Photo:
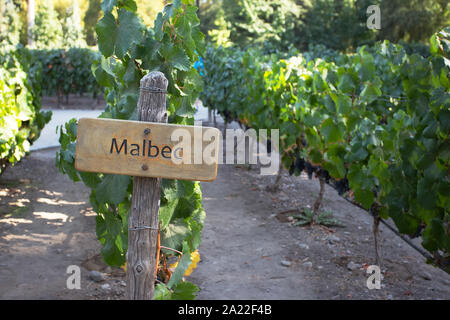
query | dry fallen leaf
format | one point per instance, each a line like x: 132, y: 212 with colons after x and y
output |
x: 195, y: 258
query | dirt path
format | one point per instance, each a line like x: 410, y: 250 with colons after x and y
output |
x: 44, y: 227
x: 241, y: 250
x: 46, y: 224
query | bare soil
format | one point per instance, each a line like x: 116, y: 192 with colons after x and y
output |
x: 250, y: 249
x: 46, y: 225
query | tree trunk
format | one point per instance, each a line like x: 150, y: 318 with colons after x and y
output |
x: 60, y: 96
x: 31, y: 13
x: 376, y: 233
x: 143, y: 221
x: 319, y: 199
x: 276, y: 185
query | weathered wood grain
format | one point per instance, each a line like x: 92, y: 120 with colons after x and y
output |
x: 141, y: 255
x: 95, y: 141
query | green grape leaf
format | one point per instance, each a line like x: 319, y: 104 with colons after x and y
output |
x: 365, y: 197
x: 112, y: 189
x: 370, y: 93
x: 129, y: 31
x: 111, y: 253
x: 108, y: 5
x: 175, y: 233
x: 158, y: 27
x: 346, y: 84
x: 331, y: 131
x: 129, y: 5
x: 107, y: 33
x: 162, y: 292
x: 182, y: 266
x: 176, y: 57
x: 435, y: 237
x: 90, y: 179
x: 117, y: 37
x: 425, y: 195
x: 185, y: 291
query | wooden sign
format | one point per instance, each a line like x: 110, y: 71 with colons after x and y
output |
x: 145, y: 149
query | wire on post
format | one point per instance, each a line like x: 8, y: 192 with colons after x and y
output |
x: 153, y: 89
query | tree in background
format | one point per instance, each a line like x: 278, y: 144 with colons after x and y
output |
x: 336, y: 24
x: 277, y: 24
x: 90, y: 20
x: 259, y: 21
x: 208, y: 13
x: 10, y: 24
x: 72, y: 30
x: 47, y: 31
x: 31, y: 16
x: 412, y: 20
x: 61, y: 7
x: 148, y: 9
x: 213, y: 23
x: 220, y: 35
x: 341, y: 24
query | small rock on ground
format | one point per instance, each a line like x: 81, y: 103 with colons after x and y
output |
x: 303, y: 246
x: 106, y: 286
x: 286, y: 263
x: 333, y: 239
x: 97, y: 276
x: 352, y: 266
x: 425, y: 275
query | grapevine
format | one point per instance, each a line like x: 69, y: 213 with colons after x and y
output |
x: 128, y: 52
x: 21, y: 119
x: 374, y: 124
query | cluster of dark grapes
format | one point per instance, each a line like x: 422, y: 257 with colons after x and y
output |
x: 341, y: 186
x: 323, y: 174
x: 300, y: 165
x: 292, y: 169
x: 310, y: 169
x: 418, y: 232
x: 297, y: 166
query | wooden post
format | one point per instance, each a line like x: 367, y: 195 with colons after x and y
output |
x: 143, y: 220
